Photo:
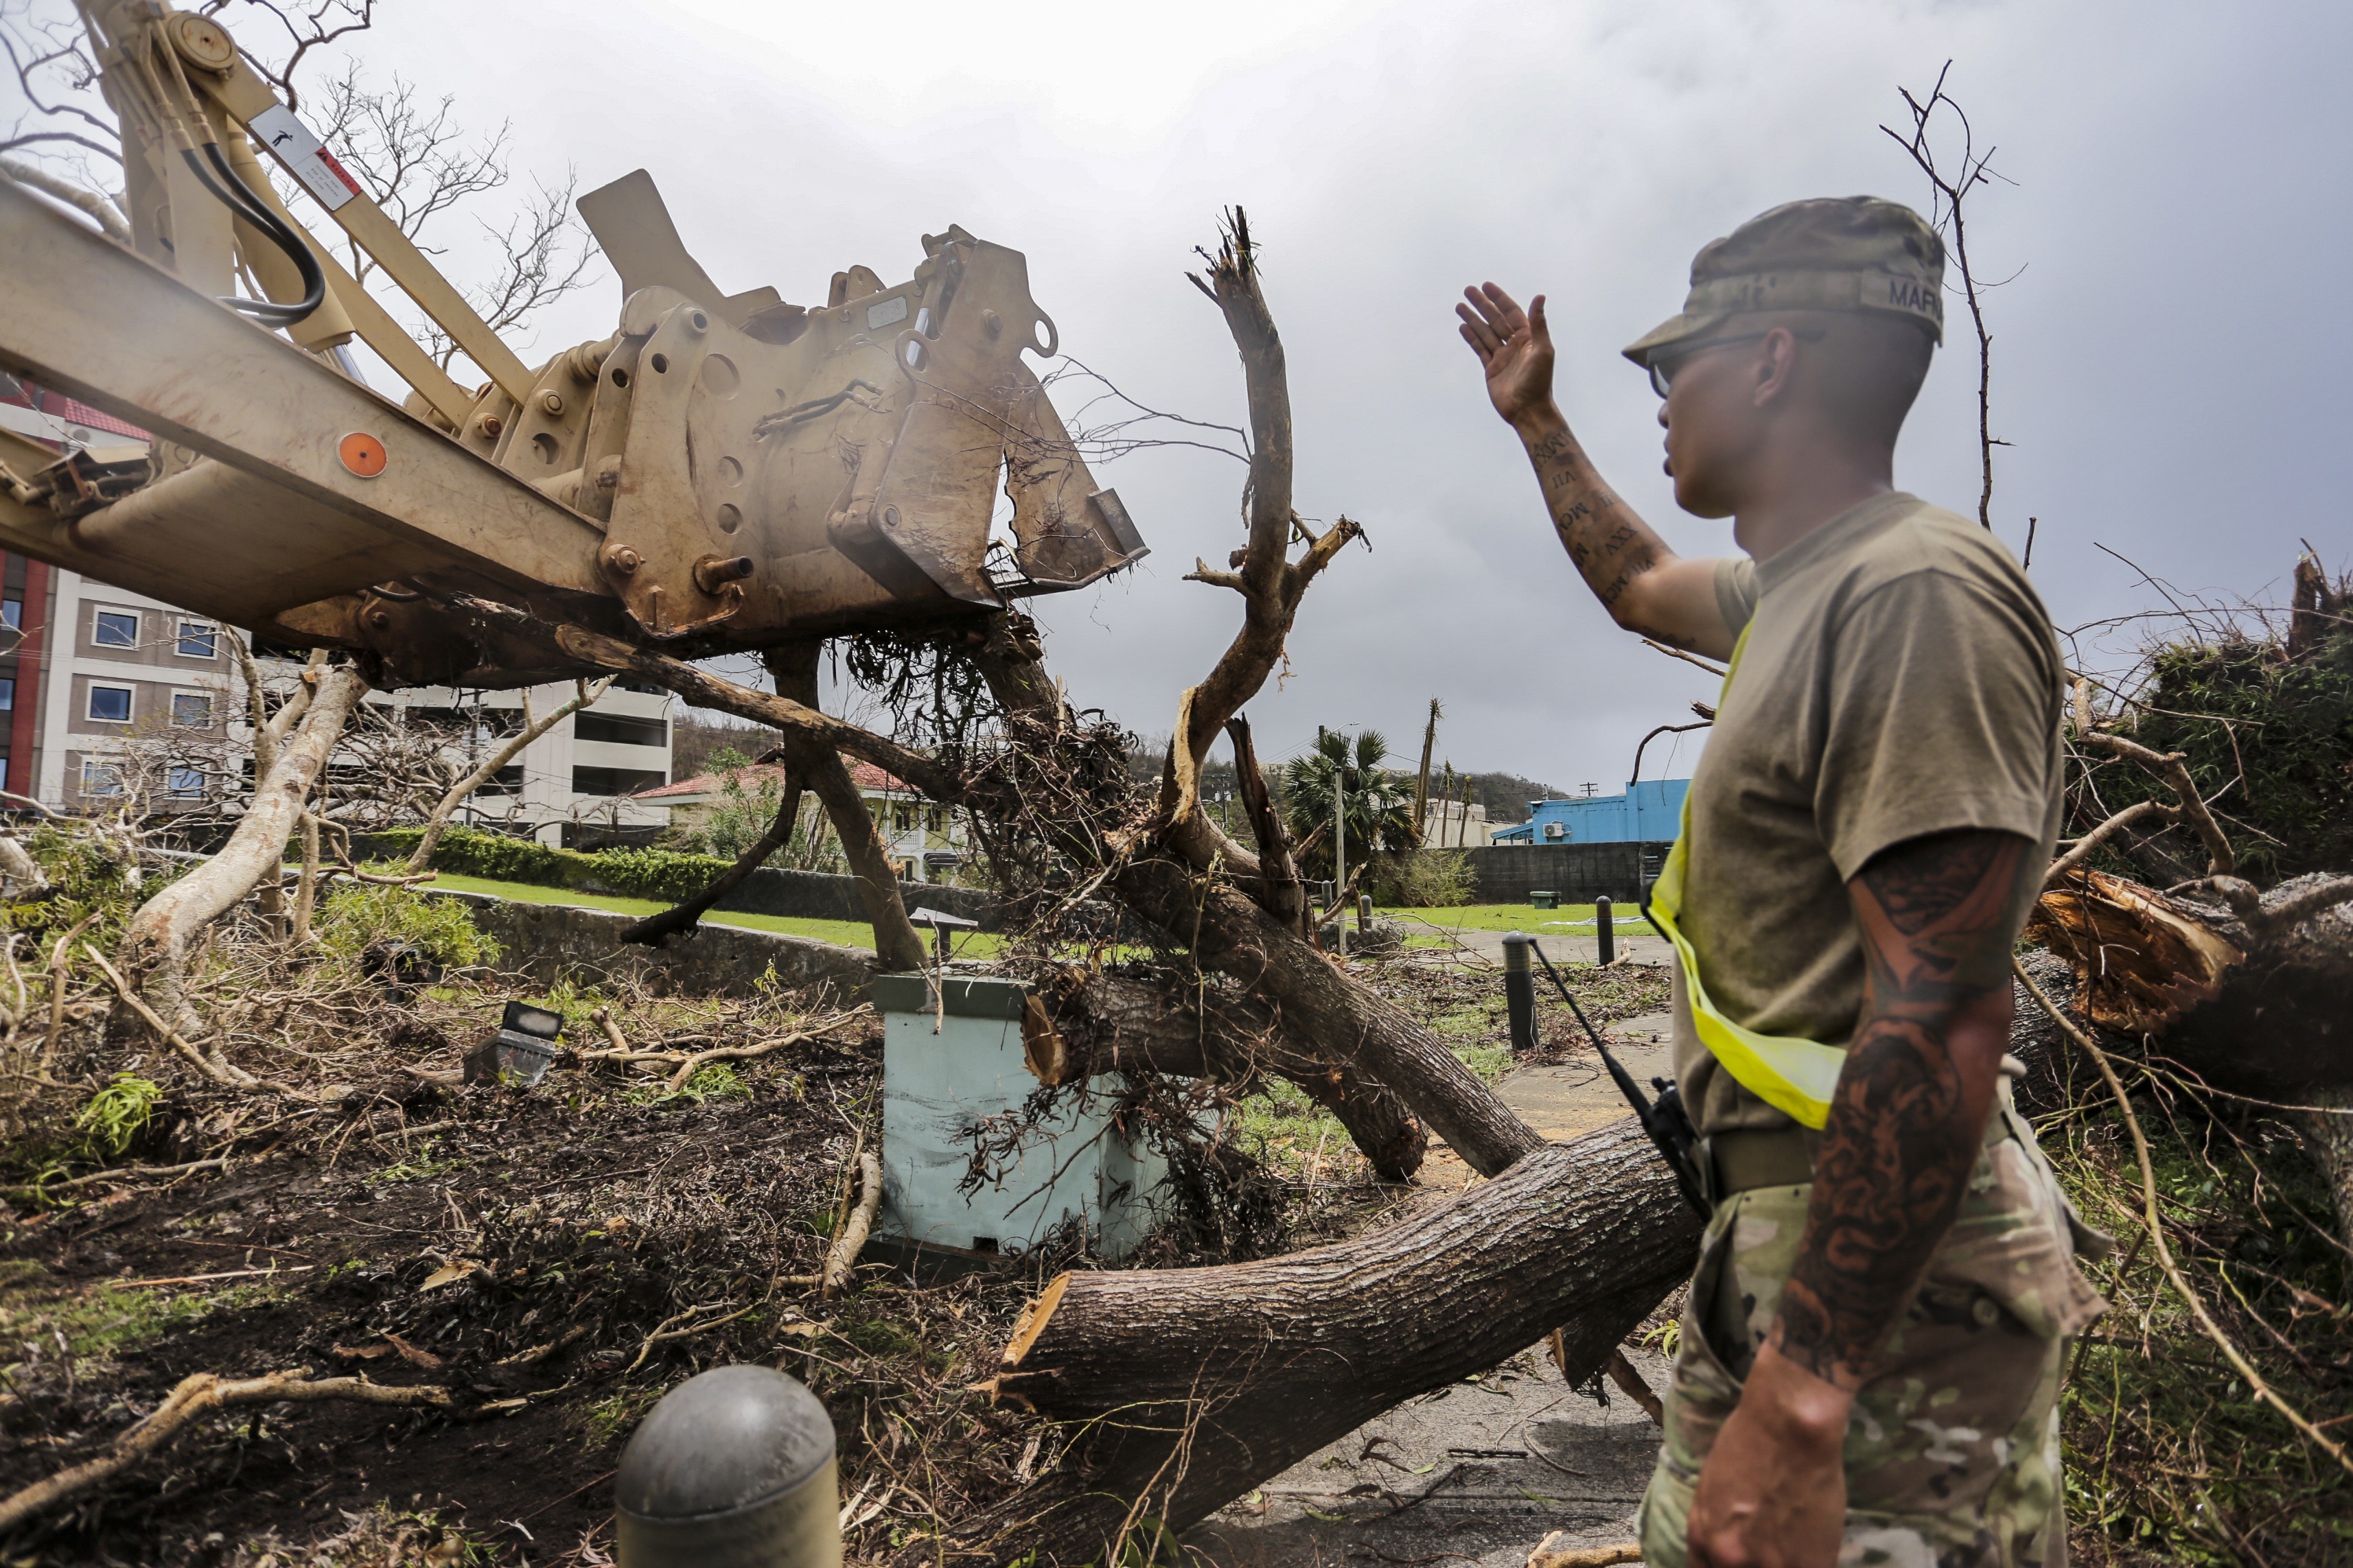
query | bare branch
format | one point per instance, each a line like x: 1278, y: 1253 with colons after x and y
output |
x: 2082, y: 848
x: 195, y: 1398
x: 582, y: 696
x: 2171, y: 767
x: 1949, y: 188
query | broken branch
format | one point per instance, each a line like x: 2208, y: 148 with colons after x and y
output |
x: 843, y: 1258
x: 195, y: 1397
x: 2154, y: 1222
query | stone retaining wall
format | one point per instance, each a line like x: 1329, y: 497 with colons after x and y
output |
x: 1579, y: 873
x: 547, y: 942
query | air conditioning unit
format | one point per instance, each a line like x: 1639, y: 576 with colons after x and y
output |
x: 1555, y: 832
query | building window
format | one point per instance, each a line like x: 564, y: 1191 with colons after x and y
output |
x: 4, y: 772
x: 101, y: 778
x: 7, y: 693
x: 621, y: 730
x: 199, y: 639
x: 902, y: 818
x: 115, y: 629
x: 12, y: 614
x: 188, y: 782
x: 109, y: 704
x: 508, y: 780
x: 192, y: 709
x: 615, y: 780
x: 936, y: 819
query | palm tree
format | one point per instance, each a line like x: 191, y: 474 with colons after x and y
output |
x: 1379, y: 801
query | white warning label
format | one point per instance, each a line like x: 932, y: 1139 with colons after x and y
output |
x: 889, y: 311
x: 280, y: 130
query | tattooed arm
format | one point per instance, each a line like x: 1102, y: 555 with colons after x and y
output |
x: 1938, y: 916
x: 1645, y: 586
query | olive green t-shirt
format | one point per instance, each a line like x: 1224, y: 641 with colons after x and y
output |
x: 1901, y: 678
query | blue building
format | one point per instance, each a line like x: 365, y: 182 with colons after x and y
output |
x: 1651, y: 812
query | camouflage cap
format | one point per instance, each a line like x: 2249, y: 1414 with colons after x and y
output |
x: 1850, y: 253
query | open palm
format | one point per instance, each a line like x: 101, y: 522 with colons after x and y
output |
x: 1514, y: 346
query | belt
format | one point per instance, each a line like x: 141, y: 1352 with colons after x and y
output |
x: 1746, y: 1158
x: 1742, y: 1159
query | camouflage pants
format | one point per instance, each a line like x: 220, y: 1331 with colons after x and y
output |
x: 1952, y: 1451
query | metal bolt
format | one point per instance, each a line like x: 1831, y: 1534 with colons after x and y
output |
x: 552, y: 401
x: 489, y: 424
x: 714, y: 573
x: 626, y: 560
x: 992, y: 324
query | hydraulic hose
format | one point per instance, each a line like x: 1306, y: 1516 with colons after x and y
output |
x: 233, y: 193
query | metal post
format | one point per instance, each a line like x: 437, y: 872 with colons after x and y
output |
x: 1520, y: 991
x: 734, y: 1468
x: 1340, y: 854
x: 1603, y: 930
x: 1364, y: 911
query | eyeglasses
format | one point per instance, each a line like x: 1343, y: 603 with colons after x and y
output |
x: 1664, y: 367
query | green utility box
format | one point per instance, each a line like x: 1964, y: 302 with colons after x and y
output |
x: 953, y: 1072
x: 1541, y: 900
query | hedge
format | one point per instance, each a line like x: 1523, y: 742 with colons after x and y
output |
x: 660, y: 874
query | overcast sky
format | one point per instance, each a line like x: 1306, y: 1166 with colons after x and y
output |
x: 2163, y: 362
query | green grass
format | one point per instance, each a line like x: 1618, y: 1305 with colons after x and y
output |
x: 1508, y: 917
x: 103, y: 1322
x: 848, y: 934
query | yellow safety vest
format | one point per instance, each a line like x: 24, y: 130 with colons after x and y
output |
x: 1795, y: 1076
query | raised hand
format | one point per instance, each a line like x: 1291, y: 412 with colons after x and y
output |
x: 1514, y: 346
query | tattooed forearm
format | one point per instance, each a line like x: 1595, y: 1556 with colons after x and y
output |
x: 1605, y: 540
x: 1938, y: 916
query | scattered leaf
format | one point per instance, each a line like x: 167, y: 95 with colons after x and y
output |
x: 449, y: 1273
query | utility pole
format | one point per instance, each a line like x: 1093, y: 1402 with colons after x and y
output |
x: 1421, y: 780
x: 1340, y: 853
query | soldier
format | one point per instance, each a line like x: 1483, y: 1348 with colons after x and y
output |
x: 1870, y: 1357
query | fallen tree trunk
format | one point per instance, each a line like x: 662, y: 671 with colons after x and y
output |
x: 2248, y: 994
x: 1349, y: 1022
x: 1103, y: 1023
x: 810, y: 758
x: 2252, y: 999
x: 654, y: 930
x: 1188, y: 1387
x: 155, y: 946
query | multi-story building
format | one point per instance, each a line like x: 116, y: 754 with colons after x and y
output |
x: 104, y: 692
x: 119, y: 669
x: 926, y: 840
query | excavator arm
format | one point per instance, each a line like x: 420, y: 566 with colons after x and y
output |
x: 722, y: 473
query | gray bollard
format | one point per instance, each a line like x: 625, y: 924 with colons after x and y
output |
x: 733, y: 1469
x: 1603, y: 930
x: 1364, y: 911
x: 1520, y: 991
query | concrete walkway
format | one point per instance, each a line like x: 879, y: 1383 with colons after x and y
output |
x: 1574, y: 1097
x: 1637, y: 943
x: 1476, y: 1473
